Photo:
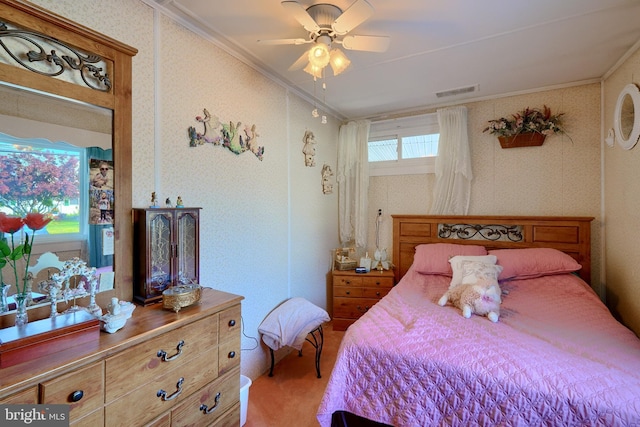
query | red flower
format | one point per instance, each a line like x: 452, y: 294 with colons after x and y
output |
x: 36, y: 221
x: 10, y: 224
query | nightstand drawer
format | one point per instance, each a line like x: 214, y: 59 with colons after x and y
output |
x: 347, y: 280
x: 352, y: 308
x: 82, y: 390
x: 347, y: 291
x: 375, y: 292
x: 377, y: 281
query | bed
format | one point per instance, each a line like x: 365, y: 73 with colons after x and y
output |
x: 556, y: 356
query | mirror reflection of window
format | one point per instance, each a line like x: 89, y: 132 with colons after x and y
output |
x: 42, y: 177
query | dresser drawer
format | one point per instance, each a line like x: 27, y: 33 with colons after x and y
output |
x: 218, y: 397
x: 230, y: 323
x: 229, y: 355
x: 143, y: 403
x: 28, y: 396
x: 352, y: 308
x: 229, y: 419
x: 82, y: 390
x: 143, y: 362
x: 94, y: 419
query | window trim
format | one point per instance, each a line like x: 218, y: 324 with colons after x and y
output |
x: 396, y: 129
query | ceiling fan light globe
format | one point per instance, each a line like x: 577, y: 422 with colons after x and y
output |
x: 339, y: 61
x: 313, y: 70
x: 319, y: 55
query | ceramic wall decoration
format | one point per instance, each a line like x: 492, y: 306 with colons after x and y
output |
x: 228, y: 135
x: 309, y: 149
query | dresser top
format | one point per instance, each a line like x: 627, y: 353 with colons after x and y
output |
x: 145, y: 323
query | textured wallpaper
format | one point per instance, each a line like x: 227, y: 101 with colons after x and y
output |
x: 562, y: 177
x: 622, y: 206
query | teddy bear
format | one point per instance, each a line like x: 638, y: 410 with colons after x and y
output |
x: 482, y: 297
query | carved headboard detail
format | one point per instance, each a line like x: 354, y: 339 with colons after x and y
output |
x: 571, y: 235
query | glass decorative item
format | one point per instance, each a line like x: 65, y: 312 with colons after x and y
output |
x: 4, y: 304
x: 22, y: 317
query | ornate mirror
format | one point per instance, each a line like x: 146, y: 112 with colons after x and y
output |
x: 48, y: 54
x: 626, y: 119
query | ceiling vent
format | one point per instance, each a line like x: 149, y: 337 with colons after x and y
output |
x: 458, y: 91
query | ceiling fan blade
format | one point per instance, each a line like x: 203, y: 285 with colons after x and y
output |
x: 366, y: 43
x: 300, y: 62
x: 355, y: 15
x: 301, y: 15
x: 284, y: 41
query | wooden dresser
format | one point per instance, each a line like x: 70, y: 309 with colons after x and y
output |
x: 355, y: 293
x: 161, y: 369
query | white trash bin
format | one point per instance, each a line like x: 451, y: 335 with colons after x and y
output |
x: 245, y: 383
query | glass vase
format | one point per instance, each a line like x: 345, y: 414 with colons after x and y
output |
x: 4, y: 304
x: 22, y: 318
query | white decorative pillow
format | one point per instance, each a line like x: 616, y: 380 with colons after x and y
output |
x: 473, y: 271
x: 457, y: 267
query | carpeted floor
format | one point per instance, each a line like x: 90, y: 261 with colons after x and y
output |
x: 291, y: 397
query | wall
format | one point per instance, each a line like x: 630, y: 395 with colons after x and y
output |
x: 622, y: 206
x: 562, y: 177
x: 266, y: 227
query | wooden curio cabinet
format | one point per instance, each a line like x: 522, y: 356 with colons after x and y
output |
x: 166, y: 250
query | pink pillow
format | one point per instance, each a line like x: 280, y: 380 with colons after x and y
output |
x: 433, y: 258
x: 533, y: 262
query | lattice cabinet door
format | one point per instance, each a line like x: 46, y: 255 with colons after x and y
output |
x: 166, y: 250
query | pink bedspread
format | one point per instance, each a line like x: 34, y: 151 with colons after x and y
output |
x: 556, y: 357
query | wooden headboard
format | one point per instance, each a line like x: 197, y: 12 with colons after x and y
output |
x: 567, y: 234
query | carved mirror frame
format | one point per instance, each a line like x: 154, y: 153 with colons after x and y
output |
x: 118, y: 58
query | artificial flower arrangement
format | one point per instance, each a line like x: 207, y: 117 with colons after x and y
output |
x: 529, y: 120
x: 9, y: 255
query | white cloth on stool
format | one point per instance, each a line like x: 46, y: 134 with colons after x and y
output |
x: 289, y: 323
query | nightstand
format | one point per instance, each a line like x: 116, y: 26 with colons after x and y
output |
x: 355, y: 293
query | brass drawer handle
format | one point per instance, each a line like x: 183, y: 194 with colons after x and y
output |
x: 232, y: 354
x: 76, y: 396
x: 366, y: 308
x: 163, y: 394
x: 206, y: 410
x: 163, y: 354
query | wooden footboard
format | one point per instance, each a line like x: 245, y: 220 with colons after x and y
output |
x: 571, y: 235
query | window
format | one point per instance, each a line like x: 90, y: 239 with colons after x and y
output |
x: 38, y: 176
x: 403, y: 146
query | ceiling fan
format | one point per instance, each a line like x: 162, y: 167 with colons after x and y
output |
x: 328, y: 24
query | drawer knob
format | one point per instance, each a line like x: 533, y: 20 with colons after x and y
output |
x: 366, y: 308
x: 207, y: 410
x: 232, y: 323
x: 163, y: 394
x: 76, y: 396
x: 232, y: 354
x: 348, y: 292
x: 163, y: 354
x: 377, y: 294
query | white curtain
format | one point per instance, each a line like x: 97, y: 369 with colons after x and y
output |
x: 452, y: 190
x: 352, y: 178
